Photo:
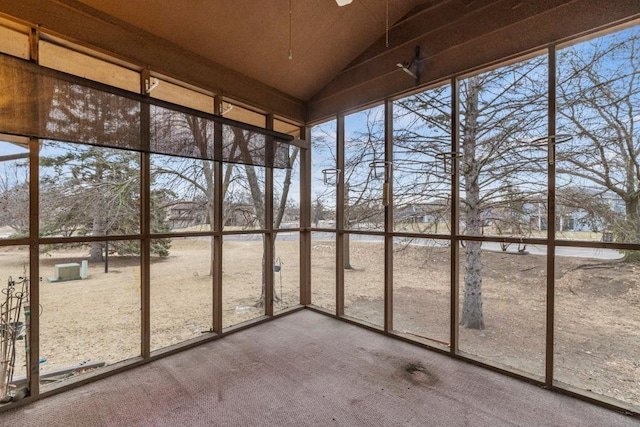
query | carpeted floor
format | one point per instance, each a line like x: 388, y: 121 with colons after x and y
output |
x: 307, y: 369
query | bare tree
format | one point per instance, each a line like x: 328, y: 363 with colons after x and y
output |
x: 192, y: 180
x: 363, y: 186
x: 421, y: 171
x: 318, y: 211
x: 325, y: 173
x: 599, y: 105
x: 363, y: 174
x: 500, y: 111
x: 14, y: 195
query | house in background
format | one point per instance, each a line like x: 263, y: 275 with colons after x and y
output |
x: 186, y: 214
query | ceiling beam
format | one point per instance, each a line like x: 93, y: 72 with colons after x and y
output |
x: 483, y: 33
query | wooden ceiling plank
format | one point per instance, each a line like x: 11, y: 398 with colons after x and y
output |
x: 495, y: 16
x: 426, y: 19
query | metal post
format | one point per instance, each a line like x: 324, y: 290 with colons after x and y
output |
x: 106, y: 248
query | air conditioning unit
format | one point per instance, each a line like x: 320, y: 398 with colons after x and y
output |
x: 63, y: 272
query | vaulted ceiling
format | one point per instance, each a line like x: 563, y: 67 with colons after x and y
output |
x: 254, y: 37
x: 341, y: 57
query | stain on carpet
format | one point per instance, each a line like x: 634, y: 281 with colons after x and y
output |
x: 418, y: 374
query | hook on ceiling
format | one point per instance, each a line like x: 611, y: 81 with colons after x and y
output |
x: 413, y: 66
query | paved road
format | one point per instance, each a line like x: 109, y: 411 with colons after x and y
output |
x: 577, y: 252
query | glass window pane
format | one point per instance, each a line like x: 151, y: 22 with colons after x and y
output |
x: 242, y: 278
x: 503, y: 190
x: 503, y: 159
x: 180, y: 134
x: 598, y: 164
x: 90, y: 311
x: 181, y: 291
x: 364, y: 173
x: 73, y: 62
x: 243, y: 192
x: 421, y: 175
x: 89, y: 191
x: 182, y: 194
x: 15, y: 312
x: 324, y: 175
x: 364, y: 278
x: 323, y: 270
x: 248, y: 147
x: 286, y: 271
x: 286, y: 196
x: 503, y: 305
x: 14, y: 187
x: 422, y: 289
x: 597, y: 339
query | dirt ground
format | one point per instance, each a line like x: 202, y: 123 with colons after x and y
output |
x: 597, y: 324
x: 597, y: 317
x: 97, y: 319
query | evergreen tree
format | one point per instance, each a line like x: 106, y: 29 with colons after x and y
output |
x: 94, y: 191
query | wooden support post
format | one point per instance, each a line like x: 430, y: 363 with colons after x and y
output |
x: 388, y: 216
x: 145, y: 222
x: 33, y: 326
x: 340, y: 218
x: 551, y: 221
x: 269, y: 235
x: 305, y: 219
x: 33, y: 332
x: 216, y: 266
x: 455, y: 223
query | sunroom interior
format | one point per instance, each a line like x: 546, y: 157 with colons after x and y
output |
x: 459, y: 175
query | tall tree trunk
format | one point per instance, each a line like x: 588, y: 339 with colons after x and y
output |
x: 632, y: 213
x: 208, y: 175
x: 278, y: 216
x: 282, y: 205
x: 95, y: 255
x: 631, y: 226
x: 347, y: 253
x: 211, y: 213
x: 472, y: 315
x: 199, y: 130
x: 258, y: 199
x: 346, y: 245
